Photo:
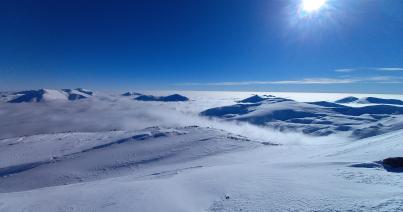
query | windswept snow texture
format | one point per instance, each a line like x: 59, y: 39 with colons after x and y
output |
x: 170, y: 98
x: 76, y: 157
x: 314, y: 118
x: 48, y: 95
x: 197, y: 169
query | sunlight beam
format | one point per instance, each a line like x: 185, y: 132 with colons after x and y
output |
x: 312, y: 5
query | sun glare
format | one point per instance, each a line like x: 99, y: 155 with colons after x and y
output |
x: 312, y: 5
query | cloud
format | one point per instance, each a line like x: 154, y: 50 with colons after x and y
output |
x: 312, y: 81
x: 306, y: 81
x: 296, y: 82
x: 109, y: 113
x: 390, y: 69
x: 384, y: 79
x: 225, y: 83
x: 386, y: 69
x: 345, y: 70
x: 316, y: 81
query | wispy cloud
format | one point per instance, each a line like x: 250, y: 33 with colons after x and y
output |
x: 386, y: 69
x: 345, y: 70
x: 390, y: 69
x: 315, y: 81
x: 306, y: 81
x: 383, y: 79
x: 303, y: 81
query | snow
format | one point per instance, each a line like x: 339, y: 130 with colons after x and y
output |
x: 41, y: 95
x: 50, y: 95
x: 369, y: 101
x: 102, y: 154
x: 348, y: 99
x: 269, y: 178
x: 67, y: 161
x: 46, y: 95
x: 78, y: 93
x: 374, y: 148
x: 169, y: 98
x: 316, y: 118
x: 131, y: 94
x: 373, y: 100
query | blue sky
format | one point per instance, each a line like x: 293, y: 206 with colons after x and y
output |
x: 262, y: 45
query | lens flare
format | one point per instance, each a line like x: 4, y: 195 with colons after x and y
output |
x: 312, y: 5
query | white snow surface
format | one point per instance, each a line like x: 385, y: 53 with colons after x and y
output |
x: 44, y: 95
x: 316, y: 177
x: 314, y: 118
x: 109, y: 153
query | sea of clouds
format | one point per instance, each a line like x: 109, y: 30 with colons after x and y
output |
x: 109, y: 112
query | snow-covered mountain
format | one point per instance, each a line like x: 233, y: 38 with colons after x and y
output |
x: 314, y: 118
x: 131, y: 94
x: 170, y: 98
x: 102, y: 155
x: 78, y: 93
x: 369, y: 100
x: 46, y: 95
x: 41, y: 95
x: 345, y: 100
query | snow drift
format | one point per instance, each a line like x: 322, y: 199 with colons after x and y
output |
x: 77, y: 157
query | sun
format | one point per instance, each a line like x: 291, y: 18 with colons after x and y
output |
x: 312, y: 5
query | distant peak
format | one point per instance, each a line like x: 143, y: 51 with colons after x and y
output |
x: 348, y: 99
x: 131, y: 94
x: 170, y: 98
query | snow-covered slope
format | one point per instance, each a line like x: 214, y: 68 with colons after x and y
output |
x: 374, y: 148
x: 6, y: 96
x: 315, y: 118
x: 46, y: 95
x: 189, y: 175
x: 374, y: 100
x: 41, y: 95
x: 76, y: 94
x: 170, y: 98
x: 89, y: 166
x: 345, y: 100
x: 76, y: 157
x: 131, y: 94
x: 369, y: 100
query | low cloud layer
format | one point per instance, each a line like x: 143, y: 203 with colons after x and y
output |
x: 105, y: 114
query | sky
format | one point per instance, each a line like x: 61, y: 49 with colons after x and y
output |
x: 251, y: 45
